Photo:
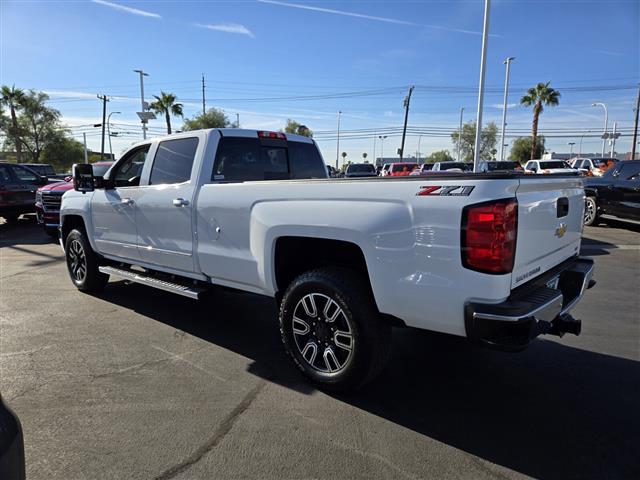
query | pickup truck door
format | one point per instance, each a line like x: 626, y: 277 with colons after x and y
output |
x: 164, y: 209
x: 625, y: 194
x: 113, y: 209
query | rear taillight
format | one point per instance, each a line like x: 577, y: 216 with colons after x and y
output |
x: 277, y: 135
x: 489, y: 232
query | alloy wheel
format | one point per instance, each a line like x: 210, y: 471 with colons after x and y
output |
x: 77, y: 261
x: 323, y: 333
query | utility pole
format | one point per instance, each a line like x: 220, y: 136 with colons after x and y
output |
x: 204, y: 109
x: 142, y: 114
x: 507, y: 62
x: 613, y: 138
x: 635, y: 127
x: 338, y: 144
x: 407, y: 101
x: 237, y: 120
x: 86, y: 155
x: 460, y: 134
x: 104, y: 121
x: 374, y: 149
x: 483, y: 63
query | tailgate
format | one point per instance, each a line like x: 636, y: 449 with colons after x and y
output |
x: 549, y: 224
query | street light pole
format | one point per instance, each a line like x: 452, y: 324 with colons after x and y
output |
x: 419, y: 138
x: 144, y: 122
x: 483, y: 63
x: 460, y: 134
x: 606, y: 122
x: 580, y: 149
x: 382, y: 137
x: 571, y: 144
x: 507, y: 62
x: 338, y: 142
x: 109, y: 132
x: 375, y: 160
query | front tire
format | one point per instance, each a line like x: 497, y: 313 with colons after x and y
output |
x: 590, y: 211
x: 331, y: 329
x: 83, y: 263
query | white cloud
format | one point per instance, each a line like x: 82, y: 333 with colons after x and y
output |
x: 228, y: 28
x: 368, y: 17
x: 123, y: 8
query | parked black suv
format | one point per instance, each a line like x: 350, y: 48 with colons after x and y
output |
x: 18, y: 185
x: 11, y: 445
x: 615, y: 195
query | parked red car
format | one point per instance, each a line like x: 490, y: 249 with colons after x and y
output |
x: 49, y: 198
x: 402, y: 169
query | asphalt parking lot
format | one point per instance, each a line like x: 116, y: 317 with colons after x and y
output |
x: 137, y: 383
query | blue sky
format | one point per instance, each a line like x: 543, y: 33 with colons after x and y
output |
x: 252, y: 52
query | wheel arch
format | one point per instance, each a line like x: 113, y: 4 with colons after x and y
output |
x: 294, y: 255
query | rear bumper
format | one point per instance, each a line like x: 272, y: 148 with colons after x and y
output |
x: 538, y: 307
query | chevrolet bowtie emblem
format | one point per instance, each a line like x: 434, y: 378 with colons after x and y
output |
x: 561, y: 230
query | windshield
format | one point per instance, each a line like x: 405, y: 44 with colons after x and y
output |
x: 43, y: 170
x: 492, y: 166
x: 403, y: 167
x: 361, y: 168
x: 554, y: 164
x: 603, y: 162
x: 449, y: 165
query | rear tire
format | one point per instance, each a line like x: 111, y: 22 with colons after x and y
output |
x: 590, y: 211
x: 337, y: 339
x: 83, y: 263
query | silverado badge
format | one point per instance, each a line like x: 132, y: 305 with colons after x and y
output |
x: 561, y: 230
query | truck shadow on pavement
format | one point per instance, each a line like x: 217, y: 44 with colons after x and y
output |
x: 553, y: 411
x: 24, y: 232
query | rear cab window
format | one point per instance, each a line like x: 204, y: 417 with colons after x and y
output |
x: 242, y: 159
x: 173, y: 161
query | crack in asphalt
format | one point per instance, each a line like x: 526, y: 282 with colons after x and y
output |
x: 225, y: 427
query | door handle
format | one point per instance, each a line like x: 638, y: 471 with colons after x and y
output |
x: 180, y: 202
x: 126, y: 201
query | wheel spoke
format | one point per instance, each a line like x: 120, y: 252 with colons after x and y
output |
x: 300, y: 327
x: 309, y: 305
x: 343, y: 340
x: 329, y: 358
x: 331, y: 311
x: 312, y: 348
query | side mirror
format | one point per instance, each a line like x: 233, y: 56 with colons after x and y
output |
x: 83, y: 177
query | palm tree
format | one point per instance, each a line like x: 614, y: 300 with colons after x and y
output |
x: 12, y: 97
x: 541, y: 94
x: 166, y: 105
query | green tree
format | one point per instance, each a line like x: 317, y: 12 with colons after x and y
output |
x: 166, y: 105
x: 38, y: 124
x: 12, y: 97
x: 294, y: 127
x: 63, y: 152
x: 439, y: 156
x: 488, y: 139
x: 212, y: 118
x: 522, y: 146
x: 539, y: 96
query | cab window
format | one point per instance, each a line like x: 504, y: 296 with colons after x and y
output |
x: 128, y: 171
x: 173, y: 161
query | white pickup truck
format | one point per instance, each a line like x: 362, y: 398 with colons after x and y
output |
x: 493, y: 257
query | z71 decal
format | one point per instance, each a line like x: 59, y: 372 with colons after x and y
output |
x: 445, y: 191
